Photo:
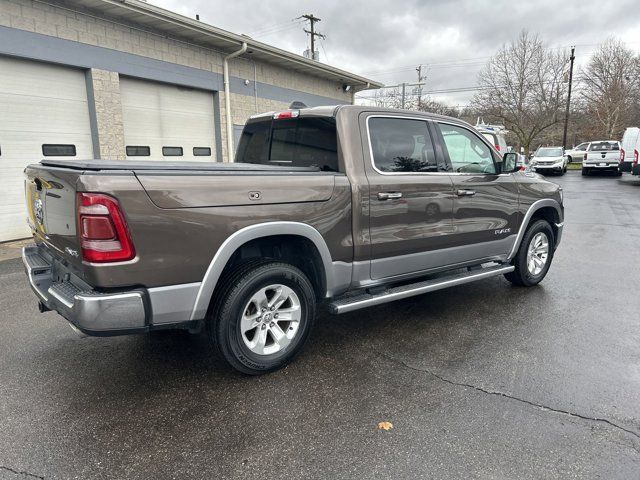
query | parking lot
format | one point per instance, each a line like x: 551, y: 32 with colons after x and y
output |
x: 481, y: 381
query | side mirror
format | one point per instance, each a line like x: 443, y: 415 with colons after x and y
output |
x: 509, y: 162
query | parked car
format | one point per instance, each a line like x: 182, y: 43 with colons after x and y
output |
x: 602, y: 156
x: 317, y: 211
x: 495, y: 134
x: 576, y: 153
x: 549, y: 160
x: 630, y: 140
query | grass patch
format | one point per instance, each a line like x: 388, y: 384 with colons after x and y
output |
x: 574, y: 166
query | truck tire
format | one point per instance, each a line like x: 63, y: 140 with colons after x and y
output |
x: 585, y: 172
x: 534, y: 256
x: 262, y: 317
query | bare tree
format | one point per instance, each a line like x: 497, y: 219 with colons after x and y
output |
x: 523, y: 87
x: 392, y: 98
x: 611, y: 88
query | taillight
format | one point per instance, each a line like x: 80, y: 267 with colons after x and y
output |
x: 286, y: 114
x: 585, y: 157
x: 635, y: 157
x: 497, y: 147
x: 622, y: 154
x: 102, y: 229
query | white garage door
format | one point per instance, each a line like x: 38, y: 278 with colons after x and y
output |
x: 42, y: 107
x: 163, y: 121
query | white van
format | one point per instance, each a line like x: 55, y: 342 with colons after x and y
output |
x: 635, y: 161
x: 495, y: 134
x: 629, y: 143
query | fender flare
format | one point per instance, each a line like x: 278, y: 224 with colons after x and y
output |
x: 533, y: 208
x: 246, y: 234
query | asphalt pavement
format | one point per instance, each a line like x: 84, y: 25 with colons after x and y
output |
x: 481, y: 381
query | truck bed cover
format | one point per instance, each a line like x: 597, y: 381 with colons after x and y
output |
x: 159, y: 165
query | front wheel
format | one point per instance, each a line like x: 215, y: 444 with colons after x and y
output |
x: 533, y: 259
x: 263, y: 317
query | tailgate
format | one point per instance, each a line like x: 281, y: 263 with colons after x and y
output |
x: 51, y: 205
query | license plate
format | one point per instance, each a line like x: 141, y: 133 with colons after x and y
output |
x: 602, y: 164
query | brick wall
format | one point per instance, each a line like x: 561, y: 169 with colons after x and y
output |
x: 81, y: 26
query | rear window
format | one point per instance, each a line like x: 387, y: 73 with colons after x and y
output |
x: 604, y: 146
x: 294, y: 142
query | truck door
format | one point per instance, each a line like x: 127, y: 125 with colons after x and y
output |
x: 485, y: 207
x: 410, y: 195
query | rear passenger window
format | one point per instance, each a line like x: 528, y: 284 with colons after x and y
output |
x: 172, y: 151
x: 402, y: 145
x: 201, y: 151
x: 58, y: 150
x: 138, y: 151
x: 295, y: 142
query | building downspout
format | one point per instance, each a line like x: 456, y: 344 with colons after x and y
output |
x: 227, y: 99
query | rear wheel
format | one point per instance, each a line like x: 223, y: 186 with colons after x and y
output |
x: 534, y: 256
x: 585, y: 172
x: 263, y: 316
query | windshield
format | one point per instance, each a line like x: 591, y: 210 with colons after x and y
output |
x: 549, y: 152
x: 604, y: 146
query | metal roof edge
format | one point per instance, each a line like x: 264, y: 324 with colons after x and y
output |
x: 199, y: 26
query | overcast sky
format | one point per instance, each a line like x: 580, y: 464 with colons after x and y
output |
x: 386, y: 40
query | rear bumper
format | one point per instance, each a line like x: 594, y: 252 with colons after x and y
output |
x: 596, y: 166
x: 89, y: 311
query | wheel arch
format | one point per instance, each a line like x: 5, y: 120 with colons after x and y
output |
x: 547, y: 209
x: 301, y: 235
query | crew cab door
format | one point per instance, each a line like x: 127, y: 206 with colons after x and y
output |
x: 485, y: 205
x: 410, y: 194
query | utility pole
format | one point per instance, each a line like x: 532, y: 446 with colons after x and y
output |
x: 312, y: 32
x: 566, y: 113
x: 420, y: 83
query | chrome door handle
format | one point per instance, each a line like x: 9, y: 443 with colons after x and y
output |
x: 389, y: 195
x: 465, y: 193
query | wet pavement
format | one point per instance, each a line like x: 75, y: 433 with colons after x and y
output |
x: 480, y: 381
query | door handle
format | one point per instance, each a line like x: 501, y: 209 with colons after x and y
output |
x: 465, y: 193
x: 389, y: 195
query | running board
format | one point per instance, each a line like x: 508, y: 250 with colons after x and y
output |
x: 355, y: 302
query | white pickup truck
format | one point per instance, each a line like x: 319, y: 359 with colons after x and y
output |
x: 602, y: 156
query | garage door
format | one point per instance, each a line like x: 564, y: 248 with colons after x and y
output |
x: 163, y: 121
x: 43, y: 111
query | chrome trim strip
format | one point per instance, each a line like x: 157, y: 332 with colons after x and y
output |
x: 260, y: 230
x: 545, y: 202
x: 425, y: 287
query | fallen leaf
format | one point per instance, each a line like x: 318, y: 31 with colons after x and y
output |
x: 385, y: 426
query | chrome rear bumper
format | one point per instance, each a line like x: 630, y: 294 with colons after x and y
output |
x: 91, y: 312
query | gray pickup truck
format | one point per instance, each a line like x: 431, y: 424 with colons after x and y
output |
x: 341, y: 207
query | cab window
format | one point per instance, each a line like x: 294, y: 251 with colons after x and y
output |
x: 467, y: 152
x: 400, y: 145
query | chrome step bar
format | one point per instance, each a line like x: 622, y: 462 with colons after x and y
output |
x: 355, y: 302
